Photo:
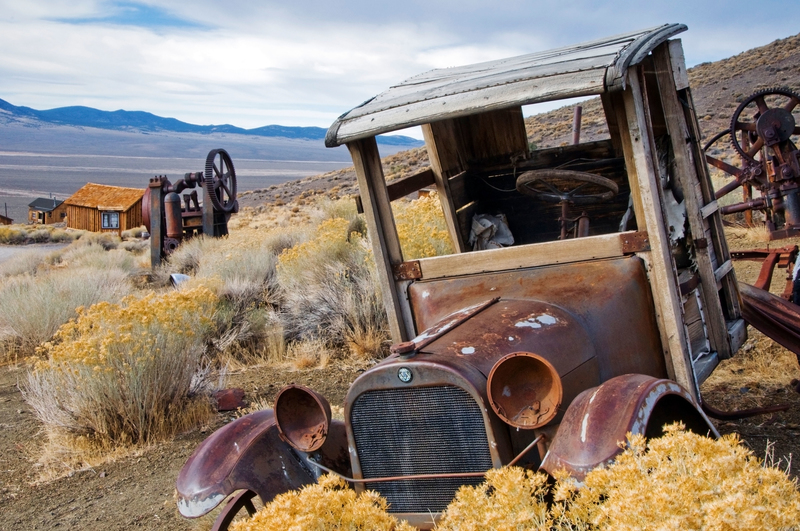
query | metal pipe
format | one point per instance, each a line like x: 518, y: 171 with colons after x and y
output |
x: 424, y: 476
x: 754, y: 204
x: 576, y: 125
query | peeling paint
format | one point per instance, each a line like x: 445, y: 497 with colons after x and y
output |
x: 547, y: 319
x: 195, y: 508
x: 537, y: 321
x: 527, y: 324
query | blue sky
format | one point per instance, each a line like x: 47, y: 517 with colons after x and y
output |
x: 305, y: 62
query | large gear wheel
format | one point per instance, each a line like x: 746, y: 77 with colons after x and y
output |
x: 765, y: 118
x: 220, y: 181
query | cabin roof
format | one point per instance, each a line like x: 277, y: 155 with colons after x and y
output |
x: 585, y: 69
x: 44, y: 204
x: 105, y: 197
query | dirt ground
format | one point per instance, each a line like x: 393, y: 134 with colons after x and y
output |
x: 133, y: 492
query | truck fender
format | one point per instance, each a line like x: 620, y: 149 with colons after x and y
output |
x: 248, y: 454
x: 601, y: 417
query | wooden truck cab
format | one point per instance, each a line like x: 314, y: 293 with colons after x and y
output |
x: 475, y: 136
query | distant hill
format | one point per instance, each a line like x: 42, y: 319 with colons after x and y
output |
x: 140, y: 121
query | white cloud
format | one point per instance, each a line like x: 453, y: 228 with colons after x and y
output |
x: 255, y: 63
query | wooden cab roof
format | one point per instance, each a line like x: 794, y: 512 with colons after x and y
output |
x: 585, y: 69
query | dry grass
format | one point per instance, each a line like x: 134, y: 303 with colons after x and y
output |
x: 761, y: 369
x: 24, y: 234
x: 34, y: 307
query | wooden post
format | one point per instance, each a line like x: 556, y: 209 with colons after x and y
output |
x: 382, y: 230
x: 156, y: 230
x: 443, y: 154
x: 663, y: 277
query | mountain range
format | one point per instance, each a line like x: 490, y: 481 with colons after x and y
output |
x: 140, y: 121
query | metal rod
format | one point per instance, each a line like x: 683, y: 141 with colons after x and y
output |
x: 527, y: 449
x: 576, y: 125
x: 424, y: 476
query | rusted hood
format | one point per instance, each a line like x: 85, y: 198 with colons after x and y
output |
x: 514, y: 325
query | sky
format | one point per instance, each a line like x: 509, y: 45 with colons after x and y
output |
x: 252, y: 63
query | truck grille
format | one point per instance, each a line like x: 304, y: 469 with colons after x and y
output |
x: 419, y: 430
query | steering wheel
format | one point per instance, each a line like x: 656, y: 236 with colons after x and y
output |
x: 575, y: 187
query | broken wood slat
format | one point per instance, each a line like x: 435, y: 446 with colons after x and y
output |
x: 697, y: 214
x: 709, y: 209
x: 723, y: 270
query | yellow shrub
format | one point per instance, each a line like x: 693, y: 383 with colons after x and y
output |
x: 127, y: 373
x: 422, y: 228
x: 143, y: 325
x: 682, y: 481
x: 327, y: 506
x: 510, y: 499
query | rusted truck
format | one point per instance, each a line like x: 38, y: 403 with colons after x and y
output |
x: 615, y: 301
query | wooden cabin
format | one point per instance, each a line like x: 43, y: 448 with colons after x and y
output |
x: 104, y: 208
x: 5, y: 220
x: 46, y: 211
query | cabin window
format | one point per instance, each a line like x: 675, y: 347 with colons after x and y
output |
x: 110, y: 220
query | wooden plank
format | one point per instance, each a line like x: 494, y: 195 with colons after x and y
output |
x: 663, y: 277
x: 464, y: 215
x: 618, y: 105
x: 410, y: 184
x: 584, y: 83
x: 697, y: 210
x: 730, y: 289
x: 709, y: 209
x: 678, y: 65
x: 737, y: 330
x: 494, y: 135
x: 723, y: 270
x: 382, y: 231
x: 611, y: 121
x: 444, y: 90
x: 442, y: 144
x: 533, y: 255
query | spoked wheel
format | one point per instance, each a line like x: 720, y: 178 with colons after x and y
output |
x: 234, y: 508
x: 575, y: 187
x: 220, y: 180
x: 765, y: 119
